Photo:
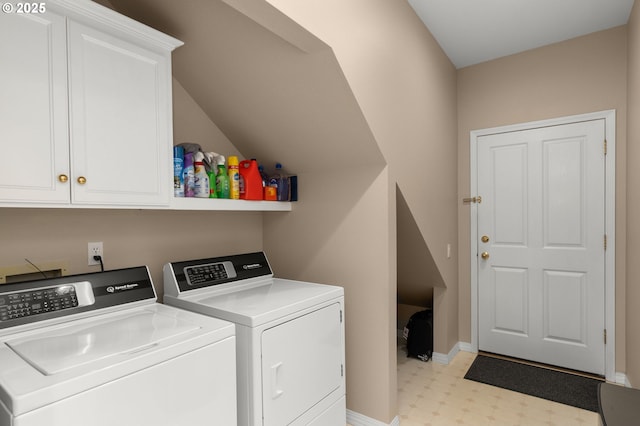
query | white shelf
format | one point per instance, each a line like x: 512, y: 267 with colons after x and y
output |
x: 178, y: 203
x: 211, y: 204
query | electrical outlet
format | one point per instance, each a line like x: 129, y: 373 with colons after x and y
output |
x: 95, y: 249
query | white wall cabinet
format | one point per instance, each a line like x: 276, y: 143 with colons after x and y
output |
x: 85, y: 109
x: 86, y: 112
x: 33, y: 108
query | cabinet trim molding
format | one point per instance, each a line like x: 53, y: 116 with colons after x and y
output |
x: 84, y: 10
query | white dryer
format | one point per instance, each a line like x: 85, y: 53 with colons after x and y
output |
x: 289, y: 336
x: 96, y: 349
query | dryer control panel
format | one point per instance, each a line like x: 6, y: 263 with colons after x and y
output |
x: 193, y: 274
x: 209, y: 272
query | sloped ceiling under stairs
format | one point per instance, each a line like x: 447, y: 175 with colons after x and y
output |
x: 417, y: 271
x: 278, y: 93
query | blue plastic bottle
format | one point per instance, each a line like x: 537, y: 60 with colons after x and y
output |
x: 178, y: 179
x: 265, y: 178
x: 281, y: 182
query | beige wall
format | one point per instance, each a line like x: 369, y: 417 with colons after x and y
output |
x: 130, y: 237
x: 191, y: 124
x: 133, y: 237
x: 406, y: 87
x: 339, y: 233
x: 633, y: 208
x: 581, y: 75
x: 417, y: 271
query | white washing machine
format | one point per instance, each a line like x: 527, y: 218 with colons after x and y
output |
x: 96, y: 349
x: 289, y: 336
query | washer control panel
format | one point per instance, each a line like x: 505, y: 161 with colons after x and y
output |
x: 20, y: 304
x: 209, y: 273
x: 29, y: 302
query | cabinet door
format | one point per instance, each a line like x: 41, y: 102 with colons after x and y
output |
x: 33, y: 108
x: 120, y: 120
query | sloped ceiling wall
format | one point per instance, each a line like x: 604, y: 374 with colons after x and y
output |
x: 274, y: 90
x: 278, y: 94
x: 417, y: 271
x: 406, y: 88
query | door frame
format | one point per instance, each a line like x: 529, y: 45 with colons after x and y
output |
x: 609, y: 117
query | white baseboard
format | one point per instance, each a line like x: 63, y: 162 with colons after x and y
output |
x: 447, y: 358
x: 466, y: 347
x: 622, y: 379
x: 357, y: 419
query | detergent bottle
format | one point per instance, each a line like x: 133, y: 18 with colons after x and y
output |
x: 188, y: 175
x: 265, y: 178
x: 212, y: 184
x: 234, y: 178
x: 280, y: 181
x: 252, y: 181
x: 222, y: 179
x: 211, y: 161
x: 201, y: 179
x: 178, y: 166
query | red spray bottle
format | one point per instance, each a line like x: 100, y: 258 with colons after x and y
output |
x: 252, y: 180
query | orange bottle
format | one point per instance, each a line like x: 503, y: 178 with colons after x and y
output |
x: 251, y: 189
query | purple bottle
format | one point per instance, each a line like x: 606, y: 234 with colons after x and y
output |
x: 188, y: 175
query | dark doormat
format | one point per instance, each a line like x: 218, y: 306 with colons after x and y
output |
x: 558, y: 386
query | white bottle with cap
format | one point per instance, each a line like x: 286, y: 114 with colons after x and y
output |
x: 201, y: 181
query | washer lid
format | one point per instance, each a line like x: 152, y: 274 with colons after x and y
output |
x: 262, y: 303
x: 54, y: 352
x: 54, y: 362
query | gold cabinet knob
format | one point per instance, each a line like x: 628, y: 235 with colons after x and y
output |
x: 485, y: 255
x: 63, y: 178
x: 82, y: 180
x: 485, y: 239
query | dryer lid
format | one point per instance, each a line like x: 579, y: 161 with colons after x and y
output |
x: 54, y: 352
x: 264, y: 302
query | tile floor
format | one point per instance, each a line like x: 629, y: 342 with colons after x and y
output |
x: 431, y: 394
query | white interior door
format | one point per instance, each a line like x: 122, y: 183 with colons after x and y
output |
x: 541, y: 251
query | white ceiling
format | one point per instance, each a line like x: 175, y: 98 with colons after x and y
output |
x: 474, y: 31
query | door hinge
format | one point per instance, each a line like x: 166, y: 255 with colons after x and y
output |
x: 341, y: 370
x: 341, y: 316
x: 605, y: 336
x: 605, y: 242
x: 605, y: 147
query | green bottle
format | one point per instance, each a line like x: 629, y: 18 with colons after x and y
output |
x: 222, y: 181
x: 213, y: 193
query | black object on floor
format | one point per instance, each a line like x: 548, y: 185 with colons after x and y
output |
x: 619, y: 406
x: 420, y: 335
x: 565, y: 388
